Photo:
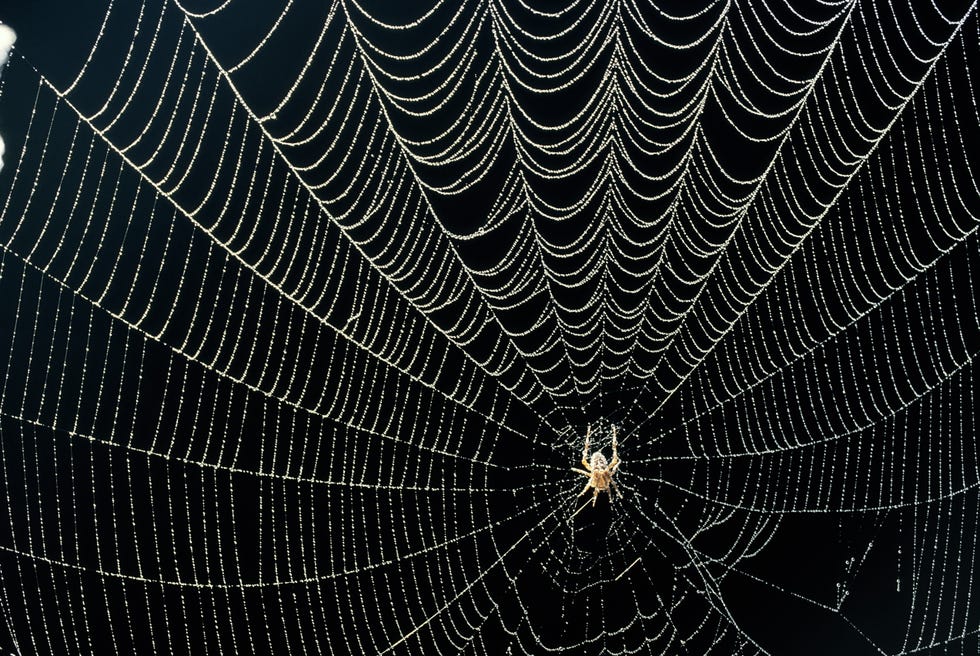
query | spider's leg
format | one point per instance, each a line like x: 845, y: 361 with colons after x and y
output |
x: 595, y: 496
x: 616, y: 487
x: 586, y: 488
x: 581, y: 471
x: 615, y: 459
x: 585, y: 451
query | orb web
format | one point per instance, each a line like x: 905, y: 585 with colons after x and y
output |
x: 310, y: 307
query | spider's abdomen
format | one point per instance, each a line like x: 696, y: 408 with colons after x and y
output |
x: 598, y: 461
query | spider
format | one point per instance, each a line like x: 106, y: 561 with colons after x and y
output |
x: 600, y: 472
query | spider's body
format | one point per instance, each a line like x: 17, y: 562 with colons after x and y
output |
x: 600, y: 471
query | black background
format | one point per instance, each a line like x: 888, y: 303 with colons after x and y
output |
x: 536, y: 575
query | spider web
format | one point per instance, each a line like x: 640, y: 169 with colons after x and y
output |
x: 308, y: 308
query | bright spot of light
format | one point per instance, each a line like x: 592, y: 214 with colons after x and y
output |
x: 7, y: 38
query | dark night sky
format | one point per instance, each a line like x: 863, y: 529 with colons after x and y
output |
x: 306, y: 310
